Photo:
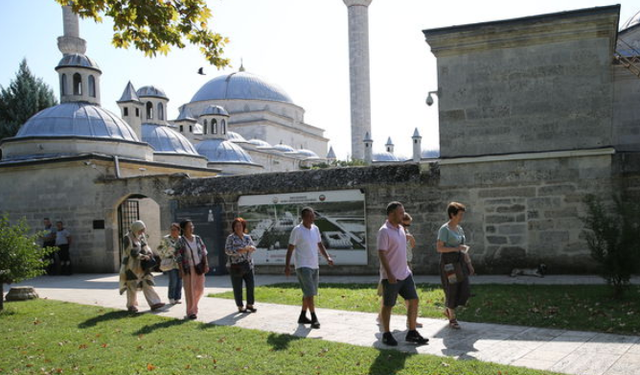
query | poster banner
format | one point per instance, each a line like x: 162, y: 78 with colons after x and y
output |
x: 340, y: 216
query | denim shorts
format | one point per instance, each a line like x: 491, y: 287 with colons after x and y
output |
x: 308, y: 278
x: 405, y: 288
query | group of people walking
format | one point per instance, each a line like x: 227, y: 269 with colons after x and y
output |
x: 184, y: 259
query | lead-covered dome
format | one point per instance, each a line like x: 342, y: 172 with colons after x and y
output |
x: 241, y: 85
x: 78, y: 60
x: 223, y: 151
x: 166, y: 140
x: 76, y: 119
x: 633, y: 21
x: 151, y: 91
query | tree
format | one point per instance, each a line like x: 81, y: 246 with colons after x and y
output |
x: 21, y: 257
x: 613, y: 239
x: 25, y: 96
x: 154, y: 26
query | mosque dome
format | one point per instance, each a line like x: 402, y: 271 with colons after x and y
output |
x: 307, y: 154
x: 215, y: 110
x: 166, y: 140
x: 151, y: 91
x: 384, y: 156
x: 633, y: 21
x: 223, y: 151
x: 235, y: 137
x: 260, y: 143
x: 77, y: 119
x: 77, y: 60
x: 241, y: 85
x: 283, y: 148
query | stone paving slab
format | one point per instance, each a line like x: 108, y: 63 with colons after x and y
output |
x: 570, y: 352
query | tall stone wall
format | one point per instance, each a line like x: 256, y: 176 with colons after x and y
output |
x: 533, y: 84
x: 520, y: 212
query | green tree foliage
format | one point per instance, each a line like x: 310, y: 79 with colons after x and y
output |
x: 21, y: 257
x: 154, y: 26
x: 25, y: 96
x: 612, y: 237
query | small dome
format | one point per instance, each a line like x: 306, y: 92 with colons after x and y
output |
x: 76, y: 119
x: 164, y: 139
x: 307, y: 154
x: 633, y: 21
x: 151, y: 91
x: 235, y: 137
x: 214, y: 110
x: 283, y: 148
x: 220, y: 150
x: 241, y: 85
x: 384, y: 156
x: 428, y: 154
x: 259, y: 143
x: 78, y: 60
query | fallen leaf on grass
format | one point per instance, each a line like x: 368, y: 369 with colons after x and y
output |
x: 150, y: 367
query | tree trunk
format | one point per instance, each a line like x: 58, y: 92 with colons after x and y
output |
x: 1, y: 296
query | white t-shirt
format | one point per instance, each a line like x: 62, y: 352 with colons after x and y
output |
x: 306, y: 246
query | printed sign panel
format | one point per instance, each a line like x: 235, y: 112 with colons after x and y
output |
x: 340, y: 217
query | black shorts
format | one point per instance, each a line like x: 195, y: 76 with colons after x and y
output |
x: 405, y: 288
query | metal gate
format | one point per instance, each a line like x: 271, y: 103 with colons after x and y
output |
x: 128, y: 212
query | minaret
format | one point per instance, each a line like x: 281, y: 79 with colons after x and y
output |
x: 368, y: 149
x: 359, y: 74
x: 79, y: 75
x: 389, y: 145
x: 131, y: 108
x: 417, y: 146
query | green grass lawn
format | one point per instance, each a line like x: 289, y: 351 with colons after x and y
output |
x: 575, y: 307
x: 50, y: 337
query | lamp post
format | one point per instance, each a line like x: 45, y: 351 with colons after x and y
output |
x: 430, y: 98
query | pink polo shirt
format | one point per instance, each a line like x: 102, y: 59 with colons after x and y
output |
x: 393, y: 241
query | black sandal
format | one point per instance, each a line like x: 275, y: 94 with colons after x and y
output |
x: 252, y: 309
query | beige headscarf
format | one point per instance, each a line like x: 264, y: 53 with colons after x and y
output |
x: 137, y: 226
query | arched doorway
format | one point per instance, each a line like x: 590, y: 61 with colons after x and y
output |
x: 139, y: 207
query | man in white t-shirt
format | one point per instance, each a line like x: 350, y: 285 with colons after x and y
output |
x: 395, y: 275
x: 305, y: 240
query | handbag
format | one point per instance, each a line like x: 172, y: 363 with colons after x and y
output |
x: 453, y: 272
x: 148, y: 264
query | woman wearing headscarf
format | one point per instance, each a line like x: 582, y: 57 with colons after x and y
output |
x: 133, y: 277
x: 239, y: 247
x: 192, y: 262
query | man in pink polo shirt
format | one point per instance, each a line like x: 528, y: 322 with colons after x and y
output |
x: 395, y: 275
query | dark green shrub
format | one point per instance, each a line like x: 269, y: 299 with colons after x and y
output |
x: 613, y: 238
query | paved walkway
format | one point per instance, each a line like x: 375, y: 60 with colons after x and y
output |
x: 571, y: 352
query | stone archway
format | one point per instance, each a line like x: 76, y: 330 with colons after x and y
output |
x: 138, y: 207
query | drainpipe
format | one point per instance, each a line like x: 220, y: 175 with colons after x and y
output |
x: 117, y: 163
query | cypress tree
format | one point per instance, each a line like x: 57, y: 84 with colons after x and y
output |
x: 25, y: 96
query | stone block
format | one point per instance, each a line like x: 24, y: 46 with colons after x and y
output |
x: 508, y: 192
x: 512, y: 229
x: 556, y: 190
x: 542, y: 203
x: 540, y: 225
x: 511, y: 209
x: 498, y: 219
x: 21, y: 293
x: 496, y: 240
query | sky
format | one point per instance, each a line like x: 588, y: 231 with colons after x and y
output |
x: 300, y: 45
